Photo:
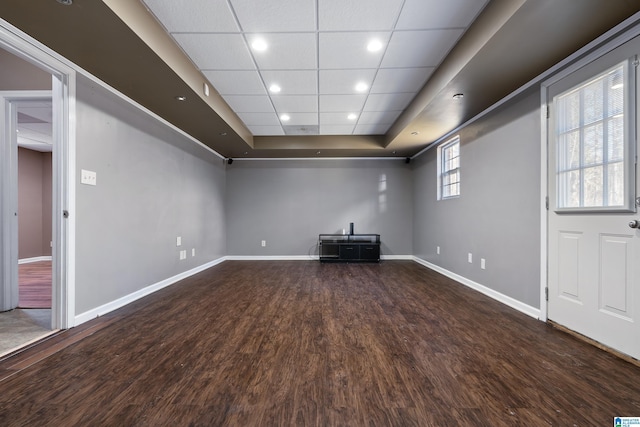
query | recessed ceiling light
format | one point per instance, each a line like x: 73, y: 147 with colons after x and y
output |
x: 259, y: 44
x: 374, y: 45
x: 458, y: 96
x: 361, y: 87
x: 181, y: 98
x: 285, y: 117
x: 352, y: 116
x: 274, y: 88
x: 65, y: 2
x: 223, y: 134
x: 415, y: 132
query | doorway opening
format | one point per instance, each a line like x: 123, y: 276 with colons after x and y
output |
x: 36, y: 109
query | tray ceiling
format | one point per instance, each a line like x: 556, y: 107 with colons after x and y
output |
x: 326, y: 67
x: 156, y: 50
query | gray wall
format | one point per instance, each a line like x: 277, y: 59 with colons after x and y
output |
x: 289, y: 202
x: 34, y: 203
x: 497, y: 216
x: 153, y: 185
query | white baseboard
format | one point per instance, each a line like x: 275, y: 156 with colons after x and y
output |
x: 121, y: 302
x: 397, y: 257
x: 34, y: 259
x: 302, y: 257
x: 271, y: 257
x: 511, y: 302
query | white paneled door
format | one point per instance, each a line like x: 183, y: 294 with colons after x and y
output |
x: 594, y: 240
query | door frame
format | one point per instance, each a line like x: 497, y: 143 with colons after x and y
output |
x: 611, y: 40
x: 63, y: 95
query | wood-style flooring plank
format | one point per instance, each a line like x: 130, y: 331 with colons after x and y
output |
x: 34, y: 281
x: 292, y: 343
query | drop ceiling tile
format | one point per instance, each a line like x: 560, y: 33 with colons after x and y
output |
x: 374, y: 129
x: 259, y: 119
x: 387, y: 101
x: 378, y: 117
x: 236, y: 82
x: 293, y: 51
x: 341, y: 103
x: 249, y: 104
x: 193, y: 16
x: 358, y: 15
x: 336, y: 129
x: 426, y: 14
x: 283, y: 15
x: 302, y: 119
x: 337, y: 82
x: 216, y: 51
x: 335, y: 119
x: 349, y: 50
x: 434, y: 45
x: 266, y: 130
x: 299, y: 103
x: 394, y: 80
x: 304, y: 82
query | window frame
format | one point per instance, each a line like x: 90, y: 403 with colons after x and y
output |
x: 444, y: 170
x: 629, y: 154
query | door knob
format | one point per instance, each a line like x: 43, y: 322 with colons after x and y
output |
x: 634, y: 224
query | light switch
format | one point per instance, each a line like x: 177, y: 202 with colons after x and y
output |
x: 87, y: 177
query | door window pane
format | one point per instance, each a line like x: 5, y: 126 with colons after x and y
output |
x: 590, y: 135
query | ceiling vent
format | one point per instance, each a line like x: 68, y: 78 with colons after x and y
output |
x: 301, y: 130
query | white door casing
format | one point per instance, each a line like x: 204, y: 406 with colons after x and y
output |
x: 593, y: 255
x: 63, y: 97
x: 8, y: 206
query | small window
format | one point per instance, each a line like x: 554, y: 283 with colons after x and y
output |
x: 449, y: 169
x: 592, y: 143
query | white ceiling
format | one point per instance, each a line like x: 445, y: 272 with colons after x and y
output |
x: 35, y: 125
x: 317, y: 53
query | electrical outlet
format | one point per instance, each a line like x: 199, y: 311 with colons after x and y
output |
x: 88, y: 177
x: 193, y: 252
x: 264, y: 243
x: 470, y: 258
x: 483, y: 264
x: 438, y: 250
x: 178, y: 241
x: 183, y: 254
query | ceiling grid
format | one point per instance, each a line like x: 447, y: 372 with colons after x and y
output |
x: 316, y: 52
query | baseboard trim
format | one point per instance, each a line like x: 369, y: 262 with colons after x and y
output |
x: 302, y: 257
x: 397, y: 257
x: 507, y: 300
x: 34, y: 259
x: 127, y: 299
x: 271, y: 257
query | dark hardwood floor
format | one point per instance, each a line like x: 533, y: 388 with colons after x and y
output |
x: 302, y: 343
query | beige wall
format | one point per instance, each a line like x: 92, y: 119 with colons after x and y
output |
x: 34, y: 203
